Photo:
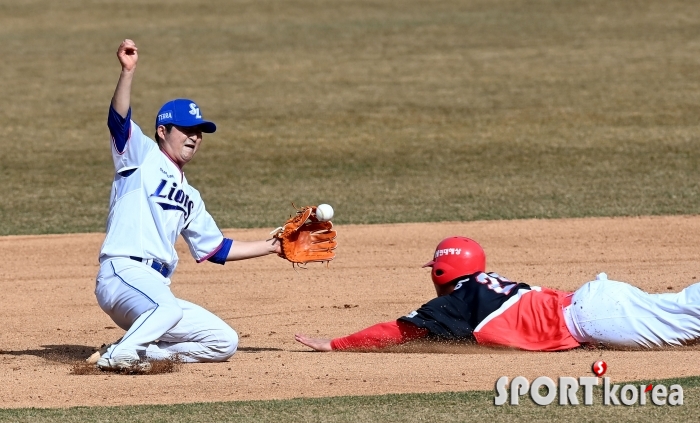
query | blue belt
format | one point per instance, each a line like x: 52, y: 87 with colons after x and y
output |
x: 159, y: 267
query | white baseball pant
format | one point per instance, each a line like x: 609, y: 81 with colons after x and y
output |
x: 158, y: 325
x: 617, y: 314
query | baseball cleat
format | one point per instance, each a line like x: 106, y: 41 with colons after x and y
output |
x: 100, y: 352
x: 123, y: 362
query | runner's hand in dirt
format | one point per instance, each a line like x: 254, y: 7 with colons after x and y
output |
x: 317, y: 344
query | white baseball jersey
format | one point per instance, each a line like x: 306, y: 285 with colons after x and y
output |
x: 151, y: 204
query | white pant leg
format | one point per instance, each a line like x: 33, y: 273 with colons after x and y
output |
x: 138, y: 299
x: 200, y: 336
x: 620, y: 315
x: 688, y: 296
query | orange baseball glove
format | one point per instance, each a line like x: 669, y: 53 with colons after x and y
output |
x: 305, y: 238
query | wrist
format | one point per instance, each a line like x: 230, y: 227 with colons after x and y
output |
x: 274, y: 246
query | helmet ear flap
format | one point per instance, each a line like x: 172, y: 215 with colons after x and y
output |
x: 441, y: 273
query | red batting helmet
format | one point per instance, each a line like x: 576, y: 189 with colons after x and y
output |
x: 454, y: 257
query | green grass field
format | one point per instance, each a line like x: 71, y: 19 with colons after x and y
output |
x: 391, y: 111
x: 474, y: 406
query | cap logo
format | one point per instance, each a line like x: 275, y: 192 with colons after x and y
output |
x: 194, y: 111
x: 165, y: 115
x: 448, y: 251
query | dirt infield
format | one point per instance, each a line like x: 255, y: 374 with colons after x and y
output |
x: 50, y: 318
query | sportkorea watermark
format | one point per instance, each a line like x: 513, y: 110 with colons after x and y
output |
x: 543, y: 391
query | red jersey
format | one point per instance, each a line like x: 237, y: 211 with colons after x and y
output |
x: 532, y: 320
x: 485, y: 308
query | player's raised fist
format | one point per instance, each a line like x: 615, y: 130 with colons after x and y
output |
x: 128, y: 55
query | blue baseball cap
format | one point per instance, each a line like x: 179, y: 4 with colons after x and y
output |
x: 183, y: 112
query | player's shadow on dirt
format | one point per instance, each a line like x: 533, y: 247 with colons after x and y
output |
x: 66, y: 354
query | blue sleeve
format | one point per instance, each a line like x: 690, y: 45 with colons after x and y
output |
x: 220, y: 256
x: 119, y: 128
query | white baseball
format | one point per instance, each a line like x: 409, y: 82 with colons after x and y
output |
x: 324, y: 212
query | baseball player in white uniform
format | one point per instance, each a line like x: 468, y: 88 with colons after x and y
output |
x: 151, y: 204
